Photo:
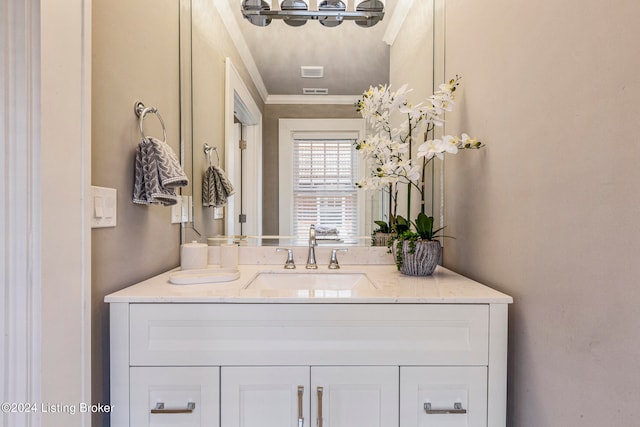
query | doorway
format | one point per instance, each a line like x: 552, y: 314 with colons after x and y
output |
x: 243, y: 157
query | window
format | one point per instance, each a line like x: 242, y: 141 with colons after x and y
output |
x: 318, y: 166
x: 324, y: 192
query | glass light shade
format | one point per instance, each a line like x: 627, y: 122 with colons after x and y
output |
x: 294, y: 5
x: 369, y: 6
x: 260, y: 21
x: 333, y: 6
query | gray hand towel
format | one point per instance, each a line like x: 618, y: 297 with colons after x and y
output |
x: 216, y: 188
x: 157, y: 174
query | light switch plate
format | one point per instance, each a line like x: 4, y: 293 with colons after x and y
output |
x: 176, y: 212
x: 104, y: 207
x: 181, y: 212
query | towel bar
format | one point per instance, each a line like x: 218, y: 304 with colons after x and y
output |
x: 141, y: 111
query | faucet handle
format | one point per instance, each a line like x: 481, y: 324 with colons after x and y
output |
x: 289, y: 264
x: 333, y: 263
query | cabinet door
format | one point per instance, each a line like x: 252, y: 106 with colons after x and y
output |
x: 265, y: 396
x: 457, y: 396
x: 350, y: 396
x: 174, y: 396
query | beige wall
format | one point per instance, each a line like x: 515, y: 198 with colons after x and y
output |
x: 412, y: 53
x: 548, y: 211
x: 270, y: 179
x: 412, y: 63
x: 135, y: 57
x: 211, y: 45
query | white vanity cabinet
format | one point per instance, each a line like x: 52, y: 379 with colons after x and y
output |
x: 323, y: 364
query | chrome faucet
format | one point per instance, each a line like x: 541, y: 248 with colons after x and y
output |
x: 333, y: 263
x: 311, y: 259
x: 290, y: 263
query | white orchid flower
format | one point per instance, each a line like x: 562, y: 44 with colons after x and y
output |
x: 430, y: 148
x: 468, y: 142
x: 449, y: 144
x: 387, y: 149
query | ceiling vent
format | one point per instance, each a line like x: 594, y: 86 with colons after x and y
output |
x: 312, y: 72
x: 315, y: 91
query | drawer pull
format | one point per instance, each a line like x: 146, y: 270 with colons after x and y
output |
x: 160, y: 409
x: 320, y: 390
x: 300, y: 415
x: 457, y: 409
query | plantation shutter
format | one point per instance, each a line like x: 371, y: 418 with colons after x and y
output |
x: 324, y: 193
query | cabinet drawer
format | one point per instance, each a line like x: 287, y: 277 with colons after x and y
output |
x: 457, y: 396
x: 188, y: 397
x: 308, y: 334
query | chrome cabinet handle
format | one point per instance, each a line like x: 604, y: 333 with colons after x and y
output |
x: 320, y: 390
x: 457, y: 409
x: 160, y: 409
x: 300, y: 415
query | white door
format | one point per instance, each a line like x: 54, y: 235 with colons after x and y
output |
x: 265, y: 396
x: 354, y: 396
x: 443, y: 396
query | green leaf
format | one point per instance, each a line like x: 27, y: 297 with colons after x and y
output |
x: 424, y: 226
x: 384, y: 227
x: 402, y: 225
x: 438, y: 230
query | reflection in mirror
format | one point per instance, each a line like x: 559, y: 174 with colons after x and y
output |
x: 241, y: 80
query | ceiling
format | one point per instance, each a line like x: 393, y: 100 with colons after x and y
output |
x: 353, y: 57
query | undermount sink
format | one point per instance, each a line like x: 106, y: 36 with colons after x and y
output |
x: 316, y: 281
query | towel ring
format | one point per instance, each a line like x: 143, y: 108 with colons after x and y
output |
x: 207, y: 151
x: 141, y: 111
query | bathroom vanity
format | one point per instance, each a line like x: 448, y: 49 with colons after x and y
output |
x: 361, y: 346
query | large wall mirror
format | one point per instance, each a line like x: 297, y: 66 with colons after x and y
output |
x: 245, y: 109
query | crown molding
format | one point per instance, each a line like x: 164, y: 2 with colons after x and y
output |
x: 397, y: 21
x: 239, y: 41
x: 312, y: 99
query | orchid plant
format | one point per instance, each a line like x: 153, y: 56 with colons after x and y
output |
x: 390, y: 149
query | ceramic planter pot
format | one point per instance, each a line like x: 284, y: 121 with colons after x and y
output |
x: 420, y: 258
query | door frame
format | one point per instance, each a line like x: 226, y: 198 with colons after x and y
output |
x: 238, y: 101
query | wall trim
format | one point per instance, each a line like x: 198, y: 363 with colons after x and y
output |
x: 397, y: 21
x: 20, y: 231
x: 241, y: 44
x: 313, y: 99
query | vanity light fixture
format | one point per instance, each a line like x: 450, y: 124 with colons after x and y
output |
x: 294, y: 6
x: 369, y: 6
x: 330, y: 13
x: 331, y: 6
x: 257, y: 6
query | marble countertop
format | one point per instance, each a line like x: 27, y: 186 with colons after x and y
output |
x: 389, y: 286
